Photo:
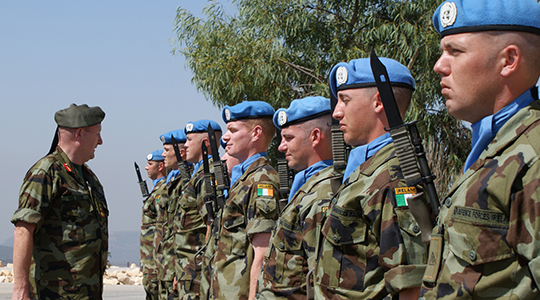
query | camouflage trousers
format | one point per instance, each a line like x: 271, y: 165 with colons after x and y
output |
x: 166, y: 290
x: 188, y: 289
x: 151, y: 284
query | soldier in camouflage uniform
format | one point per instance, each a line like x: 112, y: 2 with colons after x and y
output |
x: 308, y: 147
x: 371, y: 246
x: 251, y: 209
x: 61, y: 222
x: 487, y: 241
x: 156, y: 172
x: 166, y: 210
x: 190, y: 221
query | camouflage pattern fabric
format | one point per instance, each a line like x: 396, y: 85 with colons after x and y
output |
x: 148, y: 230
x: 371, y: 247
x: 208, y: 255
x: 190, y: 234
x: 252, y: 207
x: 163, y: 257
x: 291, y: 253
x: 71, y: 236
x: 487, y: 240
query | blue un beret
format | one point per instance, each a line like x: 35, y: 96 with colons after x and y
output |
x: 155, y: 155
x: 459, y: 16
x: 201, y: 126
x: 178, y: 135
x: 247, y: 110
x: 357, y: 74
x: 302, y: 110
x: 222, y: 143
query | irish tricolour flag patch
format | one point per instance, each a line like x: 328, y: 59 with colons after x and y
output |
x: 265, y: 190
x: 402, y: 194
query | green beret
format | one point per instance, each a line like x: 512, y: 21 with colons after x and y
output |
x: 79, y: 116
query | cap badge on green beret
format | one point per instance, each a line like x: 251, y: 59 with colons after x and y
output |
x: 227, y: 114
x: 149, y: 157
x: 341, y: 76
x: 448, y: 14
x: 282, y: 117
x: 189, y: 127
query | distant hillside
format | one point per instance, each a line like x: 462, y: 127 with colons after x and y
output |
x: 123, y: 246
x: 6, y: 254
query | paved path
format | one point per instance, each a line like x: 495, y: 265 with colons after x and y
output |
x: 110, y: 292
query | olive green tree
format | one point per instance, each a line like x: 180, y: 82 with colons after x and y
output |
x: 280, y: 50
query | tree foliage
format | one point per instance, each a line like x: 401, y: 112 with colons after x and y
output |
x: 280, y: 50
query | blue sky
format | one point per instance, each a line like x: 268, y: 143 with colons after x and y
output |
x: 114, y: 54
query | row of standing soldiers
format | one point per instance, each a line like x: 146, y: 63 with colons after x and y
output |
x: 366, y: 229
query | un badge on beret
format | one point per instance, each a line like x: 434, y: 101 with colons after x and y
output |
x: 341, y: 76
x: 149, y: 157
x: 448, y: 14
x: 163, y: 140
x: 189, y: 127
x: 227, y: 114
x: 282, y: 117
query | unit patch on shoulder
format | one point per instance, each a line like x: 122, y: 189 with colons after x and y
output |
x: 402, y: 194
x: 265, y: 190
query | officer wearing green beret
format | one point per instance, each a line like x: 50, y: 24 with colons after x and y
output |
x: 61, y: 222
x: 486, y: 244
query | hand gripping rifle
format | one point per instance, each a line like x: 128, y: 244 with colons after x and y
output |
x: 286, y: 176
x: 182, y: 164
x: 142, y: 183
x: 412, y: 157
x: 210, y: 194
x: 221, y: 173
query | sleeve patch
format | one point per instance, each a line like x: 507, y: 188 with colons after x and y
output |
x: 402, y: 194
x: 265, y: 190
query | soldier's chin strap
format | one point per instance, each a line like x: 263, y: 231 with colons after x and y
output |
x: 54, y: 142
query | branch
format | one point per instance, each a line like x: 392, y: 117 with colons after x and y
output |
x: 413, y: 59
x: 304, y: 70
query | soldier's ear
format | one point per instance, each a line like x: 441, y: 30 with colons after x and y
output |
x: 377, y: 103
x: 510, y: 58
x: 315, y: 137
x: 256, y: 132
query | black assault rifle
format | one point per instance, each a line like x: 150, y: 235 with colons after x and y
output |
x: 182, y: 164
x: 209, y: 187
x: 412, y: 157
x: 221, y: 173
x: 286, y: 176
x: 142, y: 183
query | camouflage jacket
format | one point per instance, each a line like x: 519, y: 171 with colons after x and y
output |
x: 190, y: 230
x: 251, y: 208
x: 164, y: 235
x: 291, y: 253
x: 486, y: 244
x: 371, y: 246
x: 148, y: 229
x: 71, y: 236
